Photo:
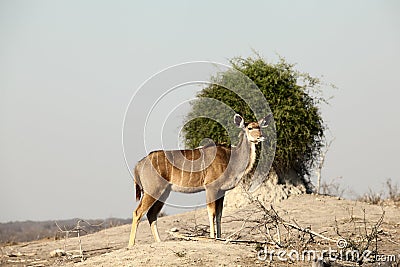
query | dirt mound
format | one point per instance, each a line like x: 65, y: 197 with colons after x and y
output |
x: 271, y: 191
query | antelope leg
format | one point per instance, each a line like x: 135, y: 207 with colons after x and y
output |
x: 219, y: 207
x: 145, y: 203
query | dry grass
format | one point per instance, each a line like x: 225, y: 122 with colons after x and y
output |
x: 391, y: 193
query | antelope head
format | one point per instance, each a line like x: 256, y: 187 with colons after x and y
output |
x: 253, y: 129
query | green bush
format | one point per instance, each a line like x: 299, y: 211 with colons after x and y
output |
x: 293, y: 97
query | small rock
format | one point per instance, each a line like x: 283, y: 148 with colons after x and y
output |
x: 174, y: 229
x: 18, y: 254
x: 57, y: 253
x: 320, y: 263
x: 317, y: 263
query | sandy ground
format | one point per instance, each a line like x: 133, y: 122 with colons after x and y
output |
x: 321, y: 214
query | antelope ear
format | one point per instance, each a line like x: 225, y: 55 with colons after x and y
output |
x: 264, y: 122
x: 239, y: 121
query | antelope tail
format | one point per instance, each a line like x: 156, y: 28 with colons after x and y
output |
x: 138, y: 191
x: 138, y: 188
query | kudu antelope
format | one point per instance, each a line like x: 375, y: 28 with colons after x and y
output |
x: 215, y: 169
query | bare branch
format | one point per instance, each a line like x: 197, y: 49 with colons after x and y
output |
x: 321, y: 164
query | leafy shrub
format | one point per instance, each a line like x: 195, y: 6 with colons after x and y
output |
x: 293, y: 97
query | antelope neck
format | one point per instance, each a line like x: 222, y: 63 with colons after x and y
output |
x: 245, y: 153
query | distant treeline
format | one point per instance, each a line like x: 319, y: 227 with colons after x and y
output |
x: 14, y: 232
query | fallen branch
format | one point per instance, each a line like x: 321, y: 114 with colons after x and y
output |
x: 243, y: 241
x: 271, y: 216
x: 308, y: 231
x: 192, y: 238
x: 234, y: 233
x: 277, y: 219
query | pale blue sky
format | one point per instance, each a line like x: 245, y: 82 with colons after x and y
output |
x: 69, y: 68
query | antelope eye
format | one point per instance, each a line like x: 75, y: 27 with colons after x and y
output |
x: 250, y: 128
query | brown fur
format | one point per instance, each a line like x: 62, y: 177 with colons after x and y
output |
x: 165, y: 168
